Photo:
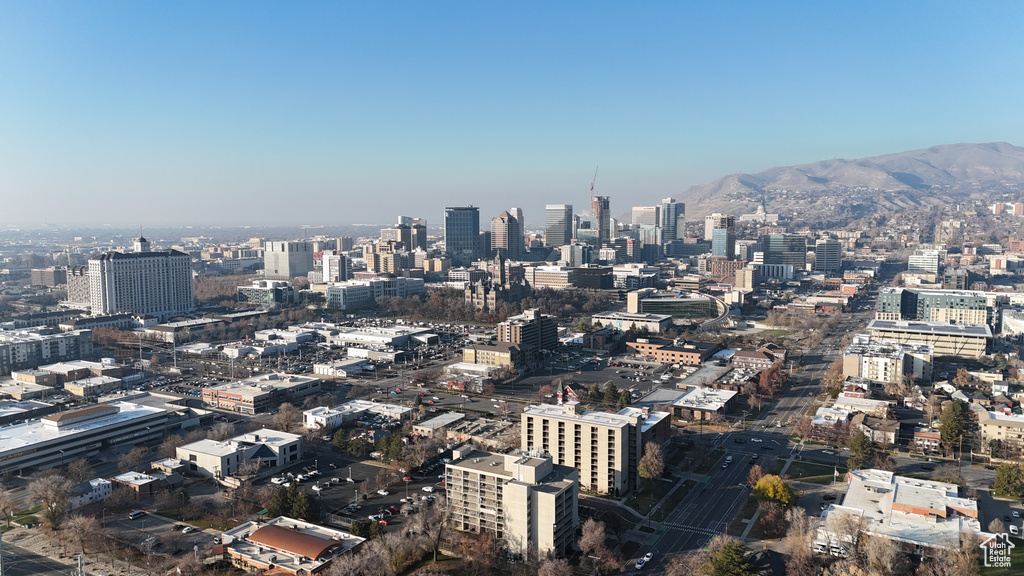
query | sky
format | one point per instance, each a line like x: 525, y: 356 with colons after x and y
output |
x: 292, y: 113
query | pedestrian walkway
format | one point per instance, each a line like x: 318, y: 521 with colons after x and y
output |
x: 753, y: 519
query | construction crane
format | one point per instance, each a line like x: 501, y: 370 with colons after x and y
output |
x: 593, y: 181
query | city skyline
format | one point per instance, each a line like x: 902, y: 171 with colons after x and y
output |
x: 199, y: 114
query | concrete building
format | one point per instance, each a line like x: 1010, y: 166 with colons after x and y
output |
x: 674, y: 352
x: 828, y: 256
x: 927, y: 261
x: 646, y: 215
x: 141, y: 282
x: 500, y: 354
x: 268, y: 292
x: 355, y: 294
x: 324, y: 418
x: 699, y: 403
x: 600, y: 209
x: 287, y: 546
x: 23, y: 349
x: 948, y: 306
x: 785, y: 250
x: 923, y: 517
x: 531, y: 328
x: 462, y: 235
x: 93, y: 387
x: 557, y: 277
x: 521, y: 498
x: 1008, y: 429
x: 654, y: 323
x: 605, y: 447
x: 287, y: 260
x: 946, y: 339
x: 887, y: 362
x: 60, y: 439
x: 267, y: 448
x: 748, y: 279
x: 260, y: 393
x: 485, y: 432
x: 437, y: 424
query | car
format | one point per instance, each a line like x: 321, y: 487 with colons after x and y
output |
x: 317, y: 488
x: 1015, y: 514
x: 829, y: 497
x: 407, y: 478
x: 427, y: 488
x: 335, y: 481
x: 648, y: 556
x: 766, y: 448
x: 724, y: 466
x: 739, y: 440
x: 187, y: 530
x: 754, y: 457
x: 829, y: 452
x: 640, y: 563
x: 824, y: 505
x: 383, y: 492
x: 382, y: 522
x: 758, y: 440
x: 372, y: 518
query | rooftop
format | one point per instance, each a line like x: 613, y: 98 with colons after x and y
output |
x: 288, y: 542
x: 441, y: 421
x: 16, y: 438
x: 933, y: 328
x: 701, y: 398
x: 567, y: 411
x: 865, y: 345
x: 612, y: 315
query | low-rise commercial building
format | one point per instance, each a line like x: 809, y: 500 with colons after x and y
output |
x: 437, y: 424
x: 264, y: 448
x: 260, y: 393
x: 286, y: 546
x: 491, y: 434
x: 700, y: 403
x: 521, y: 498
x: 93, y: 387
x: 324, y: 418
x: 62, y: 438
x: 500, y: 354
x: 654, y: 323
x: 669, y: 352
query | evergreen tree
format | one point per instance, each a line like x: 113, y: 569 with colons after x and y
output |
x: 732, y: 560
x: 954, y: 422
x: 862, y: 452
x: 624, y: 400
x: 611, y: 395
x: 305, y: 507
x: 1009, y: 482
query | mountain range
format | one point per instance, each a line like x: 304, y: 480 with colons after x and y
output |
x: 854, y: 188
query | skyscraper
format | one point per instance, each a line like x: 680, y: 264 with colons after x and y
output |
x: 723, y: 236
x: 462, y: 234
x: 828, y: 256
x: 785, y: 249
x: 141, y: 282
x: 558, y: 224
x: 600, y: 207
x: 517, y: 213
x: 506, y: 237
x: 646, y: 216
x: 673, y: 220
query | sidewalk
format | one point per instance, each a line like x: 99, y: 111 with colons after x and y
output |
x: 753, y: 519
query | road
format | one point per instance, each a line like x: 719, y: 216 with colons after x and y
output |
x: 18, y: 561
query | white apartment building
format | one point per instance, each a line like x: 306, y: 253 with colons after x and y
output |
x: 141, y: 282
x: 885, y: 361
x: 522, y: 498
x: 270, y: 448
x: 21, y: 349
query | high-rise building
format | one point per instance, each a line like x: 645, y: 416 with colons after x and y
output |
x: 398, y: 233
x: 828, y: 256
x: 418, y: 228
x: 646, y: 216
x: 506, y: 237
x: 142, y: 282
x: 462, y: 234
x: 723, y: 237
x: 530, y: 328
x: 710, y: 222
x: 928, y: 261
x: 558, y: 224
x: 287, y: 260
x: 335, y: 267
x: 673, y: 219
x: 604, y: 447
x: 517, y: 213
x: 600, y: 208
x: 785, y: 249
x: 521, y: 498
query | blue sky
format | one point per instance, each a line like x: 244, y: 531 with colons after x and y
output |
x: 351, y: 112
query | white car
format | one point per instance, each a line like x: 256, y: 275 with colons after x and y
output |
x: 640, y: 563
x: 187, y: 529
x: 758, y: 440
x: 316, y: 488
x: 383, y: 492
x: 277, y: 480
x: 428, y: 488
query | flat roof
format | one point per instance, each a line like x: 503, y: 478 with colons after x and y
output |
x: 20, y: 436
x: 565, y: 412
x: 701, y: 398
x: 441, y: 421
x: 932, y: 328
x: 613, y: 315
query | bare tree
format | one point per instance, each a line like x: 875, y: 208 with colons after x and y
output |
x: 80, y: 470
x: 133, y: 459
x: 554, y: 567
x: 7, y: 506
x: 997, y: 526
x: 55, y: 493
x: 652, y: 465
x: 287, y: 417
x: 221, y: 431
x: 437, y: 529
x: 169, y: 447
x: 81, y: 530
x: 883, y: 557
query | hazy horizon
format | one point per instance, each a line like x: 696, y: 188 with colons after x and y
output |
x: 260, y: 114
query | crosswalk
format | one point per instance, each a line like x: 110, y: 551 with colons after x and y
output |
x: 704, y: 530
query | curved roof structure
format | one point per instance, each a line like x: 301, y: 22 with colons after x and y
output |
x: 292, y: 541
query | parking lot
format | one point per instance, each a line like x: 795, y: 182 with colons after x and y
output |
x: 160, y: 535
